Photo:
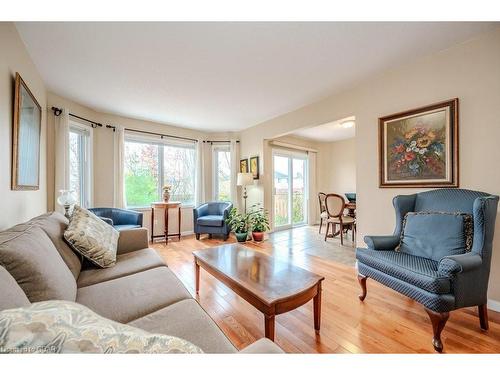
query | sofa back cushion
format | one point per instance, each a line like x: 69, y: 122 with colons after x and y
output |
x: 434, y: 235
x: 11, y: 294
x: 54, y: 224
x: 32, y: 259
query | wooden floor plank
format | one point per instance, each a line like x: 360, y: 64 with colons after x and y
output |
x: 386, y: 322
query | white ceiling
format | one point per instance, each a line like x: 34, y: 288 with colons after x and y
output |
x: 222, y: 76
x: 330, y: 132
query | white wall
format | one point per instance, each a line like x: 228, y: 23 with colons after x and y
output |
x: 469, y: 71
x: 18, y: 206
x: 337, y: 166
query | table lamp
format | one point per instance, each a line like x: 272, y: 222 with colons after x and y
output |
x: 244, y: 179
x: 66, y: 199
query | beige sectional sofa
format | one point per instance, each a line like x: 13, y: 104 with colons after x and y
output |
x: 37, y: 265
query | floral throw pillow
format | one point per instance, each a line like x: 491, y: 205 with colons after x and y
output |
x: 68, y: 327
x: 94, y: 239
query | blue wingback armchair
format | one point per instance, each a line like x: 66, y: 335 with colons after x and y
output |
x: 441, y: 282
x: 119, y: 218
x: 211, y: 218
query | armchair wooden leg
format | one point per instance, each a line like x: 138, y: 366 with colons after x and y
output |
x: 362, y: 283
x: 197, y: 236
x: 327, y: 227
x: 438, y: 321
x: 320, y: 224
x: 483, y: 316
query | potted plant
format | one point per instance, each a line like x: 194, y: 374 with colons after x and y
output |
x: 238, y: 223
x: 259, y: 222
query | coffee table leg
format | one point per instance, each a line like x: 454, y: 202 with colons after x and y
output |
x: 317, y: 308
x: 197, y: 276
x: 269, y: 326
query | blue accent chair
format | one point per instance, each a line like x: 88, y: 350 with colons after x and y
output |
x: 211, y: 218
x: 447, y: 282
x: 119, y: 218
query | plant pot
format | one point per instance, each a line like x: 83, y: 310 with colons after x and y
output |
x: 258, y: 236
x: 241, y: 237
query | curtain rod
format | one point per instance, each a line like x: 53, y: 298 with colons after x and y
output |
x: 152, y: 133
x: 94, y: 124
x: 219, y: 142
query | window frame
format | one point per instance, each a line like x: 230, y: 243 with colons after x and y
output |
x: 129, y: 138
x: 85, y: 145
x: 215, y: 169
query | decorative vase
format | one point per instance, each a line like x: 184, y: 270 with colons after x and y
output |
x: 166, y: 196
x: 258, y: 236
x: 241, y: 237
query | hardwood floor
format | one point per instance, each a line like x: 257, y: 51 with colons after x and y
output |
x: 386, y: 322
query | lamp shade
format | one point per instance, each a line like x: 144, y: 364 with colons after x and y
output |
x: 244, y: 179
x: 66, y: 198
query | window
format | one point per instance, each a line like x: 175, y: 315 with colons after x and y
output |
x: 80, y: 165
x: 222, y: 173
x: 150, y: 165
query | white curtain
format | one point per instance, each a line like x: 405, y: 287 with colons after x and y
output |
x: 119, y: 150
x: 61, y: 150
x: 234, y: 148
x: 200, y: 172
x: 313, y: 193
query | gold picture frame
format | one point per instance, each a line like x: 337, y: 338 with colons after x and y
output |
x: 254, y: 167
x: 26, y: 130
x: 244, y: 166
x: 419, y: 147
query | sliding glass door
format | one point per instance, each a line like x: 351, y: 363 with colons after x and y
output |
x: 289, y: 189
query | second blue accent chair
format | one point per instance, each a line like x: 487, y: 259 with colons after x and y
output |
x: 119, y: 218
x: 432, y: 266
x: 211, y: 218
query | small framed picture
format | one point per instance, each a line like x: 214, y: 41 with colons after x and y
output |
x: 419, y: 148
x: 254, y: 167
x: 244, y: 166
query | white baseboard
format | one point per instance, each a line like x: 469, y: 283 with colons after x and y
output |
x: 187, y: 233
x: 494, y: 305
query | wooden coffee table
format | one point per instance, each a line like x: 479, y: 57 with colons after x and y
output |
x: 272, y: 286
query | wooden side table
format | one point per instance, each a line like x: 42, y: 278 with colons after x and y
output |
x: 165, y: 206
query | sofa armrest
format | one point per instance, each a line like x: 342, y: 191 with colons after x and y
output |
x: 382, y: 242
x: 262, y: 346
x: 454, y: 264
x: 132, y: 239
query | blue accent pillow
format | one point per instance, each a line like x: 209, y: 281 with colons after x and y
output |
x: 434, y: 235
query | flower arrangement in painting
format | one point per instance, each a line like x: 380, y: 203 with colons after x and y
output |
x: 418, y: 152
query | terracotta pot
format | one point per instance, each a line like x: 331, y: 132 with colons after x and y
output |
x: 241, y: 237
x: 258, y: 236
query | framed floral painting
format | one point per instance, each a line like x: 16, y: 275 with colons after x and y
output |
x: 419, y: 148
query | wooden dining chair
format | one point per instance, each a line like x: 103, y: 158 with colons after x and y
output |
x: 323, y: 215
x: 335, y: 206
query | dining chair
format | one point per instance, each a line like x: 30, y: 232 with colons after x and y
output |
x: 335, y: 206
x: 323, y: 215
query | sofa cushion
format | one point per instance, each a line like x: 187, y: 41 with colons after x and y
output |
x: 32, y: 259
x: 421, y: 272
x: 126, y: 264
x: 211, y: 220
x: 92, y: 237
x: 435, y: 235
x: 186, y: 319
x: 11, y: 294
x: 131, y: 297
x: 54, y: 224
x: 262, y: 346
x: 68, y: 327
